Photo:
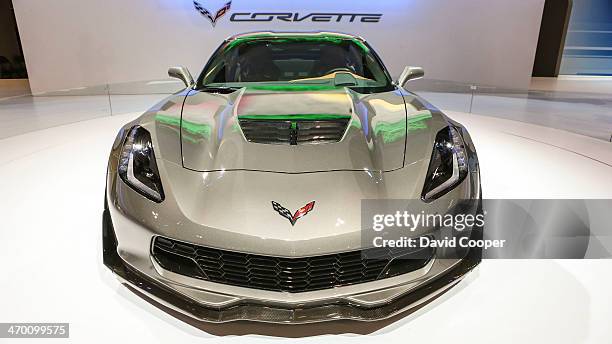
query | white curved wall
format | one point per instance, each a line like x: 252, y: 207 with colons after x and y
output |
x: 73, y: 43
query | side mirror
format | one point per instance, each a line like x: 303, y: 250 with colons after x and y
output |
x: 181, y: 73
x: 410, y: 73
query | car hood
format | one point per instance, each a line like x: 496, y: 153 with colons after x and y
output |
x: 234, y: 210
x: 212, y: 138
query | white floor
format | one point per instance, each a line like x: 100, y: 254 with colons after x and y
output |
x: 52, y: 184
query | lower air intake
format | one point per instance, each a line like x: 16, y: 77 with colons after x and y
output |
x: 287, y: 274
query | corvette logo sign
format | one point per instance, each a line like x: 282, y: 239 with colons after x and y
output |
x: 287, y: 214
x: 213, y: 19
x: 287, y: 17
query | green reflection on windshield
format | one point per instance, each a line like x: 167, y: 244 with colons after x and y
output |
x: 319, y: 38
x: 292, y: 88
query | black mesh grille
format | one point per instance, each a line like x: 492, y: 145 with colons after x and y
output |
x: 293, y: 132
x: 281, y: 274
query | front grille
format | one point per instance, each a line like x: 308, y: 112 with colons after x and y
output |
x: 285, y: 274
x: 293, y: 132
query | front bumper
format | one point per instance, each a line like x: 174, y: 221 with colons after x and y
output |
x: 439, y: 276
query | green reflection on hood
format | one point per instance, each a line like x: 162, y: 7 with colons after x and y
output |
x: 393, y: 131
x: 297, y: 117
x: 203, y: 130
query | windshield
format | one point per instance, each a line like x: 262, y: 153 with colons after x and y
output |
x: 295, y: 62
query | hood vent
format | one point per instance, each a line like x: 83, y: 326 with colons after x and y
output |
x: 294, y: 130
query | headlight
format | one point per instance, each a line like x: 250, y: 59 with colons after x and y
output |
x: 448, y: 166
x: 137, y: 166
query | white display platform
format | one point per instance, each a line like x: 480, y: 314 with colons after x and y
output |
x: 52, y: 185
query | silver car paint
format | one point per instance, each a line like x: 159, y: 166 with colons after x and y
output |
x: 212, y: 139
x: 219, y: 187
x: 226, y: 208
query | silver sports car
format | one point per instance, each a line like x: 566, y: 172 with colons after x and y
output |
x: 240, y: 197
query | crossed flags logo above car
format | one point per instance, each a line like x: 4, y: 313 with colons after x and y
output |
x: 206, y: 13
x: 284, y: 212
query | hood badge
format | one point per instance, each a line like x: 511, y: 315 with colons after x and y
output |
x: 284, y: 212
